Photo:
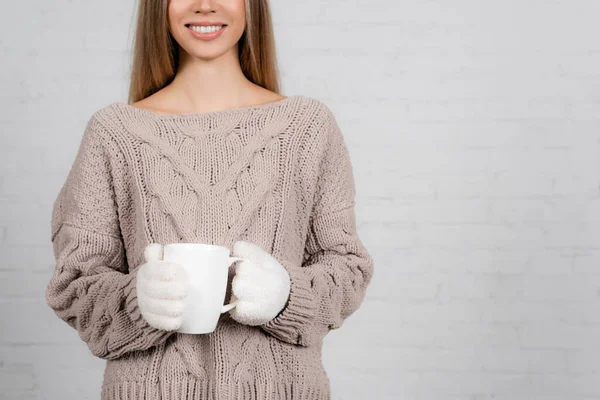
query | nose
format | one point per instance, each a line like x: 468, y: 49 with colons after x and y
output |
x: 204, y: 6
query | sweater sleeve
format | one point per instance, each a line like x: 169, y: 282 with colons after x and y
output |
x: 331, y: 282
x: 91, y: 288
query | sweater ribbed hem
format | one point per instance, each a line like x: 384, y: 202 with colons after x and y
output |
x: 194, y: 389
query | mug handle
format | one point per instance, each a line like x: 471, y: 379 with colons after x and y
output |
x: 229, y: 306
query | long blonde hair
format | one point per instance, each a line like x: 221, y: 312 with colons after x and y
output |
x: 155, y: 51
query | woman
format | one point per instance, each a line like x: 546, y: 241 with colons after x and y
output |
x: 207, y: 151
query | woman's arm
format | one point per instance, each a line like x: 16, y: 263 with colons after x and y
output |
x: 91, y: 288
x: 331, y: 283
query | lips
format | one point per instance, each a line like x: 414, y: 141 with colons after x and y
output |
x: 211, y: 34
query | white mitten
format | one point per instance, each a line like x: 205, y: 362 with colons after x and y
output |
x: 161, y: 288
x: 261, y: 284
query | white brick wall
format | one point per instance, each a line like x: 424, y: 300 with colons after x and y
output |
x: 474, y: 131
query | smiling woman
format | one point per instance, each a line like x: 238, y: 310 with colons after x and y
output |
x: 208, y: 153
x: 182, y: 43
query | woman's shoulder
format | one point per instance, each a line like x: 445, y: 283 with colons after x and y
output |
x: 316, y: 107
x: 102, y: 126
x: 104, y: 116
x: 317, y: 116
x: 320, y: 116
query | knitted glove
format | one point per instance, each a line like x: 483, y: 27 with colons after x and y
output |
x: 261, y: 284
x: 161, y: 288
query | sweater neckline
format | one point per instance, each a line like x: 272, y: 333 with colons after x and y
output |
x: 228, y: 112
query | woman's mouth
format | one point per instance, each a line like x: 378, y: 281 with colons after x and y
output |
x: 206, y: 32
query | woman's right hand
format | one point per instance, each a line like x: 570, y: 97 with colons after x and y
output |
x: 161, y: 289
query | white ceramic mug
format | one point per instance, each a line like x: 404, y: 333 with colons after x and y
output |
x: 207, y: 269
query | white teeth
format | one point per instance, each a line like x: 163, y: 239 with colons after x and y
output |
x: 205, y: 29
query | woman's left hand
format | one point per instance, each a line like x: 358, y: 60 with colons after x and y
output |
x: 261, y: 284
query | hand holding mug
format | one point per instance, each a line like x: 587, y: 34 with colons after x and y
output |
x: 161, y: 290
x: 261, y: 285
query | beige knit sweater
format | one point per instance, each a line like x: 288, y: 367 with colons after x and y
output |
x: 278, y: 175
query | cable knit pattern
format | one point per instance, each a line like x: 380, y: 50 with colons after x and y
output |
x: 277, y: 175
